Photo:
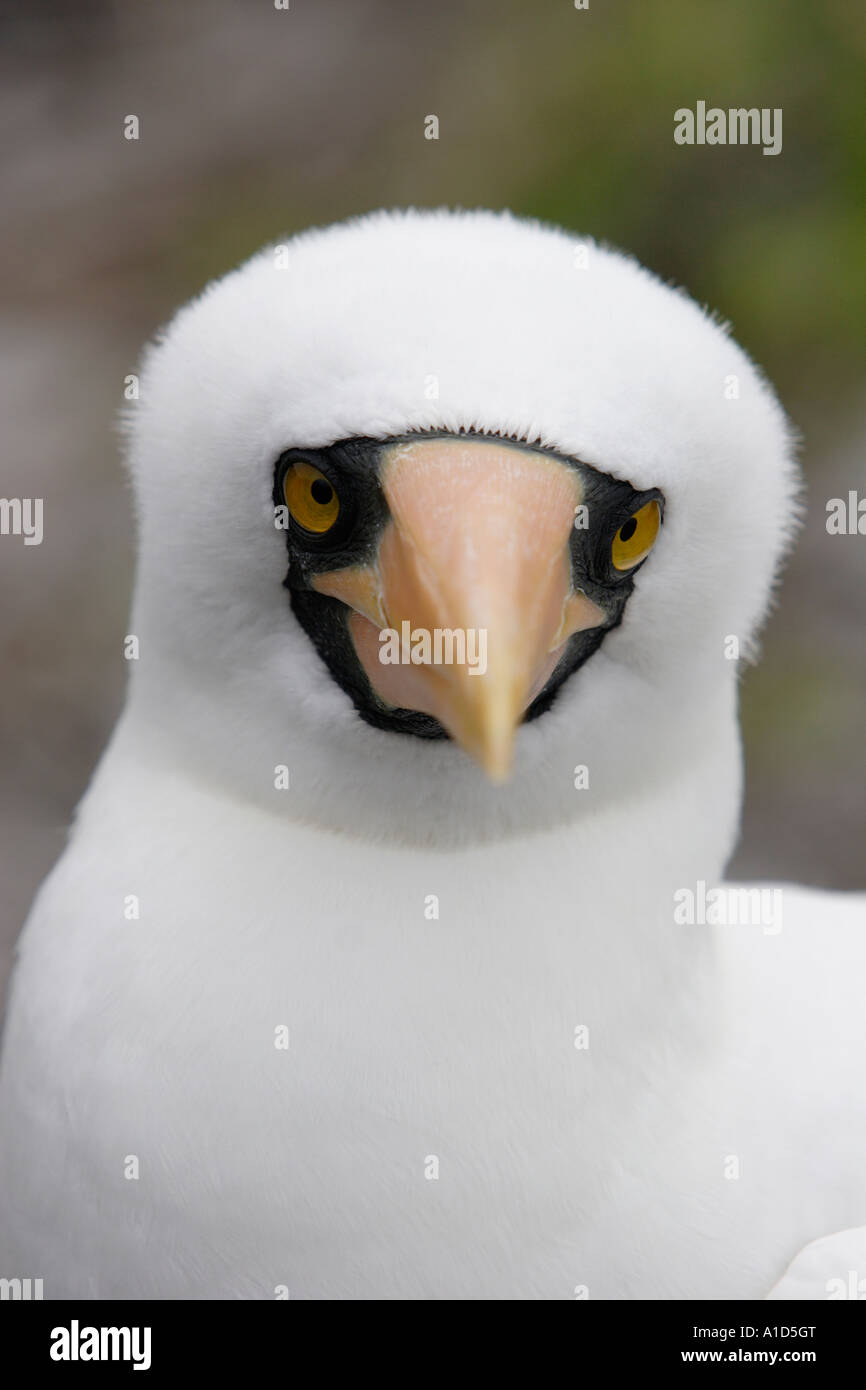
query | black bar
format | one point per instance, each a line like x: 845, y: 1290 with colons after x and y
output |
x: 220, y: 1338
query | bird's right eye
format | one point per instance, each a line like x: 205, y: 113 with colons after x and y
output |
x: 311, y: 498
x: 636, y: 537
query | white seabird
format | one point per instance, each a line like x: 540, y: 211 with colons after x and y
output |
x: 312, y: 1004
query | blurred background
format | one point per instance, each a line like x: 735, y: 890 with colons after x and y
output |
x: 256, y: 122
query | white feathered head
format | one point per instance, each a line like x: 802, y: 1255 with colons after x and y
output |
x: 458, y: 424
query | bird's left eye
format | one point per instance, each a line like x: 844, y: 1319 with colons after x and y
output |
x: 636, y: 537
x: 311, y: 498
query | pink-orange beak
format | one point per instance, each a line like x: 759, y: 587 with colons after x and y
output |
x: 464, y: 613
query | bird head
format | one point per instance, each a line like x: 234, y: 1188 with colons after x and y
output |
x: 446, y: 504
x: 452, y: 583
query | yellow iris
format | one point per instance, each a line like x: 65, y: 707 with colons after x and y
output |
x: 310, y: 498
x: 636, y: 537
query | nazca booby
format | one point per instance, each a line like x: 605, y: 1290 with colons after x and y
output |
x: 368, y: 981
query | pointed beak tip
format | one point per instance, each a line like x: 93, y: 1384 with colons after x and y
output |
x: 497, y: 773
x: 494, y: 753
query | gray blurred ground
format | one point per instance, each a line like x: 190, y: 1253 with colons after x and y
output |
x: 255, y: 123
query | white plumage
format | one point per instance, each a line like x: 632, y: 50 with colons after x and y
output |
x: 715, y: 1122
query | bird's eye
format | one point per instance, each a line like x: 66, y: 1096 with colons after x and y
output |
x: 636, y: 537
x: 311, y: 499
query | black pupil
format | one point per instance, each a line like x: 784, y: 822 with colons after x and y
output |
x: 321, y: 492
x: 628, y: 530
